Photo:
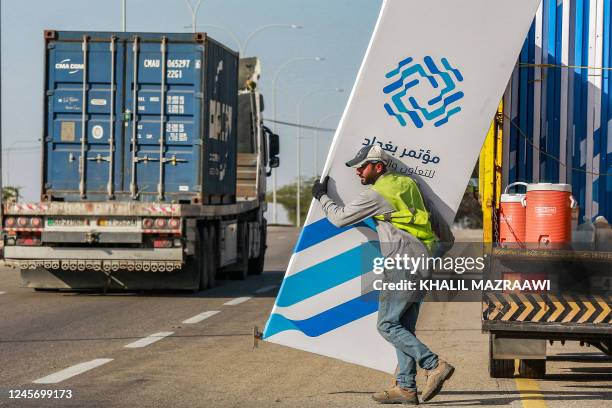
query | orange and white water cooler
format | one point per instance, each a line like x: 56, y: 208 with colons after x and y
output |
x: 512, y: 217
x: 549, y: 214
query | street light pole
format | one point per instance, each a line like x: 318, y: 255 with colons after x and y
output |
x: 242, y: 46
x: 123, y: 16
x: 298, y: 150
x: 316, y: 141
x: 274, y: 90
x: 227, y: 31
x: 260, y: 29
x: 194, y: 13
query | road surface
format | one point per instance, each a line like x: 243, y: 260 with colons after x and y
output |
x: 196, y: 350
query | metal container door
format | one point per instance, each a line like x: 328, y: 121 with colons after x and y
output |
x: 84, y: 119
x: 163, y: 168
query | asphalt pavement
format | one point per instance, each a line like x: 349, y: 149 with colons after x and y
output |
x: 196, y: 350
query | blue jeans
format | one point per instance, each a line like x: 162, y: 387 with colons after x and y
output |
x: 397, y: 317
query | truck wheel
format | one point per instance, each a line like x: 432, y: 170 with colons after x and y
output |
x: 256, y: 265
x: 192, y: 267
x: 211, y: 256
x: 499, y: 368
x: 203, y: 256
x: 242, y: 267
x: 532, y: 368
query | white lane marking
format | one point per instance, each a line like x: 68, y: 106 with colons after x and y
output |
x: 72, y: 371
x: 237, y: 301
x: 148, y: 340
x: 2, y: 293
x: 199, y: 317
x: 266, y: 289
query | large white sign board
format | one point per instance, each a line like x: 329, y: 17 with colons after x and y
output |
x: 427, y: 90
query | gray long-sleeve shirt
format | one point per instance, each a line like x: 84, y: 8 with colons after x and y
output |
x: 368, y: 204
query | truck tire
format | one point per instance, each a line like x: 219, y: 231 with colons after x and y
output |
x: 499, y: 368
x: 212, y: 256
x: 203, y: 257
x: 532, y: 368
x: 256, y: 265
x: 192, y: 267
x: 242, y: 267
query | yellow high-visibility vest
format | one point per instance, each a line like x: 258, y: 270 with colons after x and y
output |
x: 410, y: 215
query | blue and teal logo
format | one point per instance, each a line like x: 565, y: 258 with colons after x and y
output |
x: 442, y: 85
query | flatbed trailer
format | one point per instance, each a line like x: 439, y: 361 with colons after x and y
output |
x: 578, y: 306
x: 121, y: 246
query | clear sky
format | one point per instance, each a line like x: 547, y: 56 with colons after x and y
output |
x: 338, y: 30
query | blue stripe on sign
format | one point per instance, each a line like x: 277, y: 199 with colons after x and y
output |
x: 448, y: 115
x: 328, y: 274
x: 326, y: 321
x: 405, y: 74
x: 391, y: 112
x: 453, y: 70
x: 322, y: 230
x: 397, y: 100
x: 399, y: 66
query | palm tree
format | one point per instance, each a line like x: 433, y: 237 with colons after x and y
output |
x: 11, y: 194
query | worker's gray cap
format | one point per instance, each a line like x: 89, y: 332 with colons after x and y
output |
x: 369, y: 154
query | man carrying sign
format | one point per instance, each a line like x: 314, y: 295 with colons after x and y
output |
x: 404, y: 228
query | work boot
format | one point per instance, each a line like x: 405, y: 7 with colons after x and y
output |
x: 396, y: 395
x: 435, y: 378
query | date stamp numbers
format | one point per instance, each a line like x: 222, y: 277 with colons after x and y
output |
x: 40, y: 394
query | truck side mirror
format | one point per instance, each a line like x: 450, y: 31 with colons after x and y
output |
x: 273, y: 163
x: 273, y: 144
x: 261, y: 103
x: 273, y: 149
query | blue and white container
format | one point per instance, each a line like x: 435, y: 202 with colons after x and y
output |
x: 558, y: 105
x: 139, y: 116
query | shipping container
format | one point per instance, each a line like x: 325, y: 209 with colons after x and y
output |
x: 107, y: 104
x: 558, y: 105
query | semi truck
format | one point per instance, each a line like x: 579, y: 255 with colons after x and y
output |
x: 154, y: 166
